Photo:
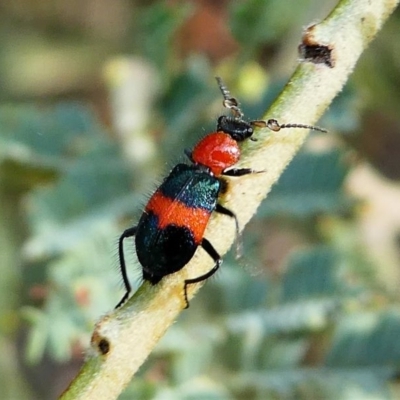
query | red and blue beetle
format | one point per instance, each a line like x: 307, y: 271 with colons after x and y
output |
x: 172, y: 225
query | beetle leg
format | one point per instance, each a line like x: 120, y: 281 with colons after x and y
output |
x: 238, y: 172
x: 130, y: 232
x: 239, y: 245
x: 209, y: 248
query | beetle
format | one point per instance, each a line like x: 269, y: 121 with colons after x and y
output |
x: 174, y: 220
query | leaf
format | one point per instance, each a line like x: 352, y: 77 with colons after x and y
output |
x: 366, y: 338
x: 312, y: 184
x: 312, y: 274
x: 306, y: 383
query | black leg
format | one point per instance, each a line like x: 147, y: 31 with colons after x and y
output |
x: 127, y: 234
x: 238, y: 172
x: 209, y: 248
x: 222, y: 210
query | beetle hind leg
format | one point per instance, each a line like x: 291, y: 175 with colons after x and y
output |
x: 209, y: 248
x: 130, y: 232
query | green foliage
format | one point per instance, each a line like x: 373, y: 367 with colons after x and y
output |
x: 315, y: 324
x: 180, y: 107
x: 312, y: 184
x: 69, y: 219
x: 371, y: 340
x: 251, y: 17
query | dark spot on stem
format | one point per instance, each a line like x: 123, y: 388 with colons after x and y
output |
x: 312, y: 50
x: 104, y: 346
x: 316, y: 54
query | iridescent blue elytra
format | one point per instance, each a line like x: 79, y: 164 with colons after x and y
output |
x: 174, y: 221
x: 193, y: 186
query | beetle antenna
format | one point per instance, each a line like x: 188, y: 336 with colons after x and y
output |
x: 229, y: 102
x: 274, y: 125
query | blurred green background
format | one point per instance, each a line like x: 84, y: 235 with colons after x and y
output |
x: 98, y: 100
